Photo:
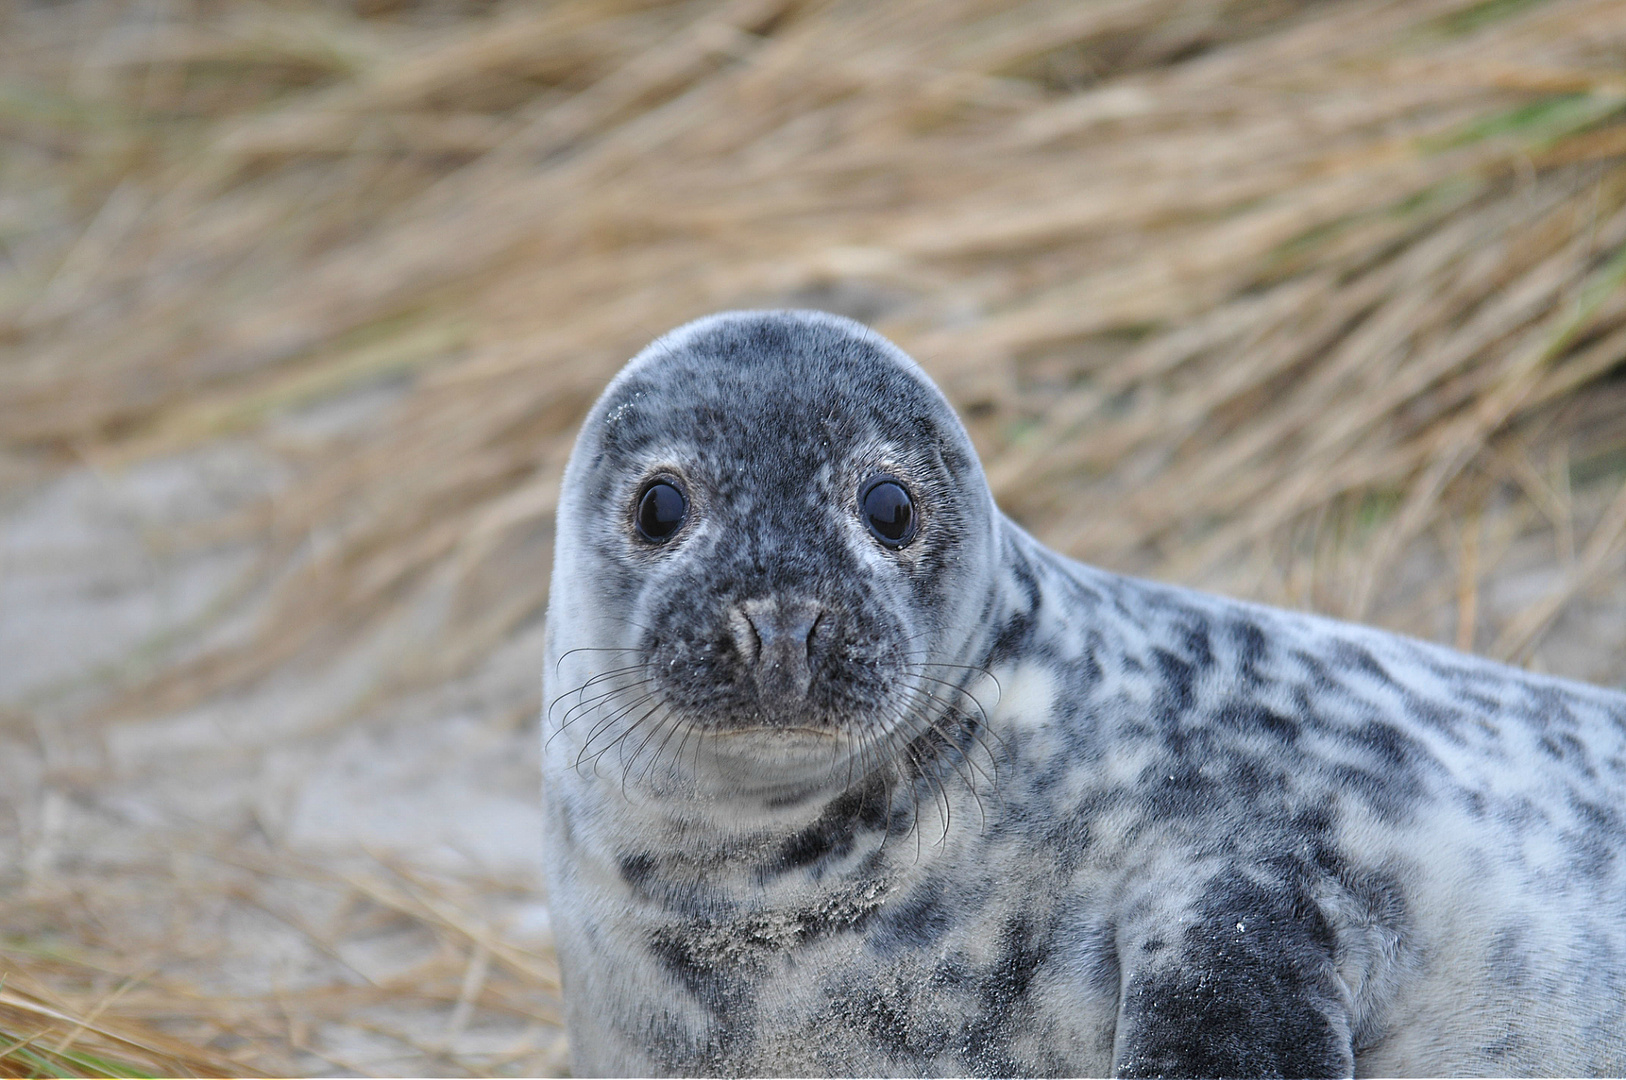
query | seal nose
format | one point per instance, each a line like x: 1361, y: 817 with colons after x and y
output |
x: 775, y: 639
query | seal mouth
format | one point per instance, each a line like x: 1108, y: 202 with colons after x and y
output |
x: 759, y: 729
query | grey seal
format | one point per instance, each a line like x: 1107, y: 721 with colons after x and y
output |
x: 846, y: 774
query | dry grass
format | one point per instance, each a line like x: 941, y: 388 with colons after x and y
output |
x: 51, y: 1031
x: 84, y: 996
x: 1318, y: 304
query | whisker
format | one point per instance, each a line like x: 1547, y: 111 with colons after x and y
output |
x: 621, y: 740
x: 604, y: 726
x: 577, y: 711
x: 986, y: 725
x: 608, y: 722
x: 921, y: 774
x: 589, y: 648
x: 669, y: 722
x: 957, y: 687
x: 962, y: 667
x: 626, y: 766
x: 969, y: 728
x: 970, y: 784
x: 582, y: 708
x: 690, y: 727
x: 600, y: 677
x: 940, y: 795
x: 586, y: 705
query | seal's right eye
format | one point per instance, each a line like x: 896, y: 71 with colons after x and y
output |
x: 888, y: 511
x: 660, y: 511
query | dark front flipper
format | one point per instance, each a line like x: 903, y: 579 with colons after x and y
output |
x: 1247, y: 989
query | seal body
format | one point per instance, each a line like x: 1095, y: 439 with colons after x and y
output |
x: 851, y: 779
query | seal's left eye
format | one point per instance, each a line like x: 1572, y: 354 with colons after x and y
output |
x: 660, y: 511
x: 888, y: 511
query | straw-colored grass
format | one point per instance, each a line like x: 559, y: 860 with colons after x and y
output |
x: 89, y: 991
x: 54, y: 1022
x: 1319, y: 304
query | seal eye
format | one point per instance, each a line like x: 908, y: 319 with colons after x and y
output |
x: 660, y: 511
x: 888, y: 511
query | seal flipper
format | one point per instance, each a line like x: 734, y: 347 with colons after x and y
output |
x: 1247, y: 988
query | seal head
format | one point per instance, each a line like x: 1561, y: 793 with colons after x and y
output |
x: 780, y: 542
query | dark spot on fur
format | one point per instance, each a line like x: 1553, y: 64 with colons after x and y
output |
x: 1003, y: 993
x: 635, y: 870
x: 833, y: 834
x: 1562, y: 746
x: 1390, y: 781
x: 918, y: 920
x: 1348, y: 654
x: 1012, y: 638
x: 1251, y: 649
x: 1017, y: 632
x: 1246, y: 716
x: 1507, y: 1043
x: 1084, y: 672
x: 1197, y: 644
x: 1440, y: 717
x: 1377, y: 791
x: 1594, y: 846
x: 1255, y: 1001
x: 1392, y: 748
x: 717, y: 984
x: 1320, y: 676
x: 1178, y: 677
x: 1314, y: 823
x: 1475, y: 803
x: 1178, y: 792
x: 950, y: 973
x: 883, y: 1016
x: 1070, y: 838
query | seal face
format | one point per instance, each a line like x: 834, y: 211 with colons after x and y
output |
x: 783, y: 562
x: 846, y: 774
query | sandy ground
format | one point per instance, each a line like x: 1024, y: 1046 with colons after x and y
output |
x: 273, y: 804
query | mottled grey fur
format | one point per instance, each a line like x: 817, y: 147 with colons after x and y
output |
x: 1016, y: 815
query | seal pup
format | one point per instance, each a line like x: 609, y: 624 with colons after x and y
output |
x: 846, y: 774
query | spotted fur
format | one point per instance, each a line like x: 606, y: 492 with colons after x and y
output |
x: 1026, y: 817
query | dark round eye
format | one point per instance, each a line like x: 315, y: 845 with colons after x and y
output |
x: 660, y: 511
x: 888, y: 512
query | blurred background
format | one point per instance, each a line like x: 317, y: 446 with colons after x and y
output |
x: 1314, y: 303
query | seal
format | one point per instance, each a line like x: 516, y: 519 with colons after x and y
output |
x: 846, y: 774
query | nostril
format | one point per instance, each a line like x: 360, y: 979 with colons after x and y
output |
x: 746, y: 639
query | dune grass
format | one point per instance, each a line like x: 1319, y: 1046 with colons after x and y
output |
x: 61, y: 1016
x: 1319, y: 304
